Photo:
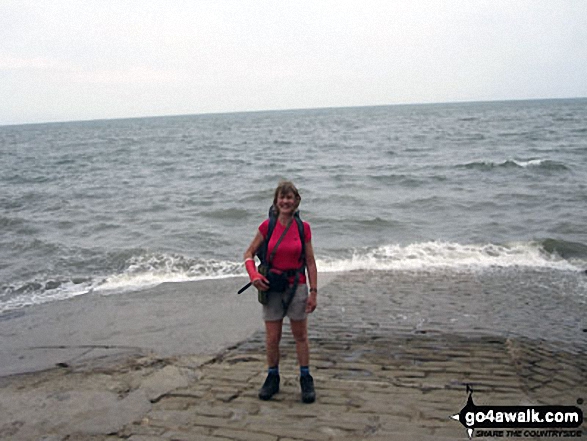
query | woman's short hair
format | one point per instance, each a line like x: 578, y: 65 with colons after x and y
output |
x: 285, y: 187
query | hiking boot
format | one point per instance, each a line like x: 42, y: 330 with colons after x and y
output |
x: 270, y: 387
x: 308, y: 393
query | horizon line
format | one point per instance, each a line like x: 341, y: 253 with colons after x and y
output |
x: 295, y: 109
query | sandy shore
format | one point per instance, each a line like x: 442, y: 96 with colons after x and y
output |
x: 391, y: 355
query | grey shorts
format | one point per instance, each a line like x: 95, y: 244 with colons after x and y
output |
x: 273, y: 310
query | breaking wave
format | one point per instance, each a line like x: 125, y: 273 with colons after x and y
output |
x: 444, y: 255
x: 540, y: 164
x: 148, y: 270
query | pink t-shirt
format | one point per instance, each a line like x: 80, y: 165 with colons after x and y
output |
x: 289, y: 251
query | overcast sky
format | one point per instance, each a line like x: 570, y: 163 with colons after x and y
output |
x: 63, y: 60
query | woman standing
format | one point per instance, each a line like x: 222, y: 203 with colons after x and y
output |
x: 286, y: 256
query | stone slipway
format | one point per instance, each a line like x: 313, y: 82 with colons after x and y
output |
x: 377, y: 378
x: 171, y: 319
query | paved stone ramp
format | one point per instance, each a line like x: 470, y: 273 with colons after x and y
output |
x: 369, y: 387
x: 375, y: 380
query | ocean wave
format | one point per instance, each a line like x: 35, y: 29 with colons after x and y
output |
x: 542, y: 164
x: 11, y: 223
x: 151, y: 269
x: 402, y: 179
x: 375, y: 222
x: 139, y: 272
x: 227, y: 213
x: 565, y: 249
x: 39, y: 292
x: 445, y: 255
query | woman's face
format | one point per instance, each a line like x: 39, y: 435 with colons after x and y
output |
x: 286, y: 203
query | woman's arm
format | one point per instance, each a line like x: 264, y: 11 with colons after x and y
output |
x: 254, y: 246
x: 258, y: 280
x: 312, y: 278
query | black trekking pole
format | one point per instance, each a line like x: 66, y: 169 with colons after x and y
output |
x: 240, y: 291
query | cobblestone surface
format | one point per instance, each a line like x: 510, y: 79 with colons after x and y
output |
x: 377, y: 377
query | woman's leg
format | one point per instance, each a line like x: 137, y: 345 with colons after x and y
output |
x: 272, y: 339
x: 299, y: 329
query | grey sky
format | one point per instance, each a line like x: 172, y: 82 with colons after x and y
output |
x: 64, y: 60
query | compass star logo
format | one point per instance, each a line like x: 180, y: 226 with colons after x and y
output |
x: 468, y: 407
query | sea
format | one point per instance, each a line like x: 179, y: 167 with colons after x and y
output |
x: 113, y: 206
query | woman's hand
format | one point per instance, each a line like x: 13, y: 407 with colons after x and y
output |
x: 311, y: 303
x: 260, y: 282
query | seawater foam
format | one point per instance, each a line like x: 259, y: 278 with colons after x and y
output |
x: 65, y: 291
x: 150, y: 270
x: 517, y: 163
x: 444, y: 255
x: 529, y: 163
x: 144, y: 271
x: 147, y: 271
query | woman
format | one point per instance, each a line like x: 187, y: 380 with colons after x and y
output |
x: 286, y: 257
